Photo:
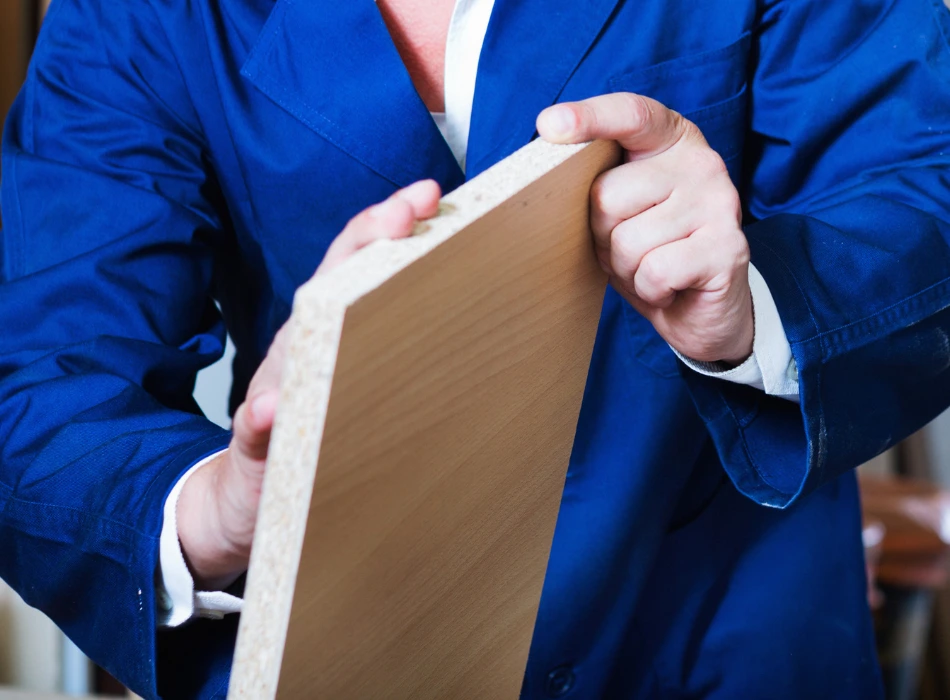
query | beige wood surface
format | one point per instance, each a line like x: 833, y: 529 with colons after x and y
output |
x: 427, y: 415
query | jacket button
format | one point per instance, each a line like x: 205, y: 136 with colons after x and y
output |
x: 560, y: 682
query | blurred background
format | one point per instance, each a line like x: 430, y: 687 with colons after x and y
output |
x: 34, y: 655
x: 906, y: 495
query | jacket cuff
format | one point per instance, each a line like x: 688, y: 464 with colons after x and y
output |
x: 175, y: 593
x: 145, y: 560
x: 769, y: 446
x: 771, y: 366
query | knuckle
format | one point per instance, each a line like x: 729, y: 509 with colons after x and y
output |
x: 625, y: 255
x: 585, y: 116
x: 692, y: 133
x: 722, y: 209
x: 605, y: 197
x: 600, y: 194
x: 741, y: 256
x: 637, y: 110
x: 652, y: 271
x: 733, y: 251
x: 689, y: 128
x: 707, y: 163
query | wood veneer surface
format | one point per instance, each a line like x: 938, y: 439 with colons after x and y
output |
x: 427, y: 415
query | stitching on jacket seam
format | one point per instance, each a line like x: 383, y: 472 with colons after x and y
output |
x: 280, y: 96
x: 673, y: 66
x: 83, y: 514
x: 801, y: 291
x: 895, y: 306
x: 87, y: 514
x: 813, y: 453
x: 748, y: 453
x: 174, y: 463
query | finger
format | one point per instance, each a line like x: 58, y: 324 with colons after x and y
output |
x: 253, y: 423
x: 268, y: 374
x: 689, y: 263
x: 623, y: 192
x: 392, y: 219
x: 632, y: 240
x: 640, y: 124
x: 423, y: 197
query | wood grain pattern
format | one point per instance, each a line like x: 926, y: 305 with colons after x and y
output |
x: 427, y: 415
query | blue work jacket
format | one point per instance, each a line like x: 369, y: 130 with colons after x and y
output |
x: 167, y: 154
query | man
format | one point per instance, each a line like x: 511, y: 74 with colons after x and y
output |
x: 170, y: 153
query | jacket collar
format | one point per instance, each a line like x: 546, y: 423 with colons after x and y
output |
x: 333, y: 66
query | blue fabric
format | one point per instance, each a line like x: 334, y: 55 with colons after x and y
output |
x: 167, y: 153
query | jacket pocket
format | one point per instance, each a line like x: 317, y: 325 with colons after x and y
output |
x: 692, y: 82
x: 708, y: 88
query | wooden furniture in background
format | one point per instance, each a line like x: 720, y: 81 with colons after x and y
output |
x: 913, y: 564
x: 427, y: 415
x: 17, y: 31
x: 19, y: 23
x: 916, y: 518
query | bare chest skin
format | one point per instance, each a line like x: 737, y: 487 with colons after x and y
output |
x: 419, y: 29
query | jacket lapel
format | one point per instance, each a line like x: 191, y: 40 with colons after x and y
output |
x: 531, y: 49
x: 333, y: 65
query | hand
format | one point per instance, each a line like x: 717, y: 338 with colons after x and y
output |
x: 217, y: 509
x: 666, y: 223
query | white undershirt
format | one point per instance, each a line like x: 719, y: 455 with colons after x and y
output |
x: 770, y: 368
x: 463, y: 46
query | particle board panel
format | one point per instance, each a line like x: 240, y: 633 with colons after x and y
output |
x: 428, y: 409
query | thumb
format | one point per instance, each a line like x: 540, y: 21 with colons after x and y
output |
x: 253, y: 423
x: 640, y: 124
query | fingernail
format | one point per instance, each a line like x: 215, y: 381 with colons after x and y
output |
x: 559, y: 121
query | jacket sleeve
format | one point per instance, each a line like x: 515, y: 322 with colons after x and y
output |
x: 846, y: 193
x: 110, y: 221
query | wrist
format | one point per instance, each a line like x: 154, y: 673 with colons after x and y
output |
x: 745, y: 337
x: 739, y: 357
x: 215, y: 551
